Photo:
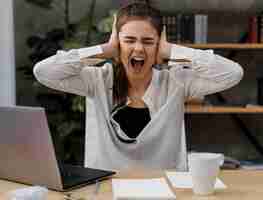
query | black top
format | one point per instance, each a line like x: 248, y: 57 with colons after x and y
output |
x: 132, y: 120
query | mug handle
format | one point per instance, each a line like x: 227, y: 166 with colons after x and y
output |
x: 221, y: 160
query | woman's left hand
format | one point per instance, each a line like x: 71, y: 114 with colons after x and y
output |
x: 164, y: 49
x: 111, y: 48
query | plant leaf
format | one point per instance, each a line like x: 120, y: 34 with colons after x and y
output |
x: 41, y: 3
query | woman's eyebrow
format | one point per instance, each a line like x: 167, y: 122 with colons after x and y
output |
x: 129, y: 37
x: 148, y: 38
x: 143, y: 39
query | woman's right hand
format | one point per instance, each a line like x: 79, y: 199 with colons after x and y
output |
x: 164, y: 49
x: 111, y: 48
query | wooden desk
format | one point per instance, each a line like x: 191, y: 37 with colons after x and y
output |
x: 242, y: 185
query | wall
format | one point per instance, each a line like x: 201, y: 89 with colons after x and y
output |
x: 7, y: 69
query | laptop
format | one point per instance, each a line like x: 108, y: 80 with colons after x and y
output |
x: 27, y: 153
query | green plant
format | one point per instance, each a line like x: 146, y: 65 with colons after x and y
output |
x: 65, y: 111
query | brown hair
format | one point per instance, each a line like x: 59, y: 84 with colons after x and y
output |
x: 133, y: 11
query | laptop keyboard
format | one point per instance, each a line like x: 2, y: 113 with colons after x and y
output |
x: 75, y: 175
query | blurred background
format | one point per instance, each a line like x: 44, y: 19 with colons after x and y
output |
x: 41, y: 27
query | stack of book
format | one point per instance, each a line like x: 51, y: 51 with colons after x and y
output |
x: 186, y: 28
x: 255, y: 29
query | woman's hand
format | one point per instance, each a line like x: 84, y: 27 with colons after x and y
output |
x: 164, y: 49
x: 111, y: 48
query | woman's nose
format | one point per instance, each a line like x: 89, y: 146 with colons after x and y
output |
x: 138, y: 46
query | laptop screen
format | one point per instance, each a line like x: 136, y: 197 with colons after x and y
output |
x: 26, y: 150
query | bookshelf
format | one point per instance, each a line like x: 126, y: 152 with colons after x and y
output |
x: 199, y: 109
x: 224, y: 109
x: 230, y: 46
x: 193, y: 33
x: 233, y: 111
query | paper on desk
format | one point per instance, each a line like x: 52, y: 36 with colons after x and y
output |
x: 141, y: 189
x: 184, y: 180
x: 28, y: 193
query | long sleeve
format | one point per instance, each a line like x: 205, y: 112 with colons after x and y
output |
x: 64, y: 71
x: 206, y: 73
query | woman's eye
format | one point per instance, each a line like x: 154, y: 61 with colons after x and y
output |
x: 129, y: 41
x: 148, y: 43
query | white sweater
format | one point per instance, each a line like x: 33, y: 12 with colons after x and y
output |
x: 161, y: 144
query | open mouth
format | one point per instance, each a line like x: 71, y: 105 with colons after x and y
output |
x: 137, y: 63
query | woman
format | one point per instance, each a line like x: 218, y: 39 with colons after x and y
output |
x: 137, y: 113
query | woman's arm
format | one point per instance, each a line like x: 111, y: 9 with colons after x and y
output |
x: 206, y: 72
x: 64, y: 70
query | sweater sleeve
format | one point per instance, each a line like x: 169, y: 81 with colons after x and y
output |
x: 64, y: 71
x: 206, y: 72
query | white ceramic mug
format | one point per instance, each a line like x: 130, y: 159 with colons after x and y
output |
x: 204, y: 168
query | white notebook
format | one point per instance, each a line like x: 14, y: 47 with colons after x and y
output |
x: 141, y: 189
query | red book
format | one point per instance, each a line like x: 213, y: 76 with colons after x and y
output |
x: 253, y: 30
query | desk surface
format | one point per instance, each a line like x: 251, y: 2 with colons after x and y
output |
x: 242, y: 185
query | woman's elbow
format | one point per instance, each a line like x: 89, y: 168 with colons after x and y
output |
x: 235, y: 76
x: 41, y: 71
x: 238, y: 72
x: 37, y: 70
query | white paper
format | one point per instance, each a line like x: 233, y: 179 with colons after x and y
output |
x: 184, y: 180
x: 141, y: 189
x: 28, y: 193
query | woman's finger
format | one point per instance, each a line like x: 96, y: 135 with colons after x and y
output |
x: 163, y: 34
x: 114, y: 23
x: 161, y: 47
x: 114, y: 19
x: 114, y: 41
x: 114, y: 31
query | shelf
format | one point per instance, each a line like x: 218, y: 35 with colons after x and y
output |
x: 234, y: 46
x: 223, y: 109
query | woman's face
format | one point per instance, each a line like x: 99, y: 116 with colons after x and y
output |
x: 138, y: 48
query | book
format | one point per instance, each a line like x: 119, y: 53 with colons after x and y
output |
x: 201, y: 26
x: 204, y: 28
x: 260, y: 28
x: 184, y: 180
x: 141, y: 189
x: 198, y: 29
x: 170, y: 23
x: 188, y: 28
x: 253, y: 30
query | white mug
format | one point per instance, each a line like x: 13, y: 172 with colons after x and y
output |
x: 204, y: 168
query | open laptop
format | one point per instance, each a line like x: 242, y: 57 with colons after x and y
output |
x: 27, y: 153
